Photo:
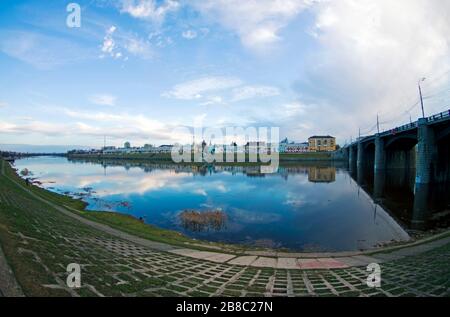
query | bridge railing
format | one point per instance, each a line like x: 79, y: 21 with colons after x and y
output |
x: 440, y: 116
x: 445, y: 115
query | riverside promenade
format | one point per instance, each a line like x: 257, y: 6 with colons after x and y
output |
x: 39, y: 237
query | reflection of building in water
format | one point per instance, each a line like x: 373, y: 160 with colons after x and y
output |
x: 322, y: 174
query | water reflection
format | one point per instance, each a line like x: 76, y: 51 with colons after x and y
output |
x: 305, y: 207
x: 415, y: 206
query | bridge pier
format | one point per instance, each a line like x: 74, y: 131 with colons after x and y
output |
x: 426, y: 152
x: 421, y: 206
x: 380, y: 154
x: 360, y: 155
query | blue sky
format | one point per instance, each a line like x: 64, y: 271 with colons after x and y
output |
x: 136, y: 69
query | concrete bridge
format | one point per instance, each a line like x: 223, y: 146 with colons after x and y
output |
x: 423, y: 145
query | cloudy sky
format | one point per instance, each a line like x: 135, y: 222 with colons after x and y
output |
x: 137, y: 69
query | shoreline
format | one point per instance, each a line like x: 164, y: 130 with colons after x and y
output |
x: 164, y: 157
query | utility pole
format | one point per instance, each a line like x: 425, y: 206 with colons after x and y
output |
x: 378, y: 125
x: 421, y: 98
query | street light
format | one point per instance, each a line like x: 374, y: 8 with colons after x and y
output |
x: 421, y: 98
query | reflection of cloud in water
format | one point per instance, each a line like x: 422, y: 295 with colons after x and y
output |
x: 122, y: 184
x: 294, y: 200
x: 254, y: 217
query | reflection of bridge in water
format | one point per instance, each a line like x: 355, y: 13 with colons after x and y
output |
x: 420, y: 150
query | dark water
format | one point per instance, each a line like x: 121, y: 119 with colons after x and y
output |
x: 313, y: 207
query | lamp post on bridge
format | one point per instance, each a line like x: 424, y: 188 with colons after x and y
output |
x: 421, y: 98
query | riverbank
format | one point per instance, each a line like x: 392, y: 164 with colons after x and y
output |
x: 166, y: 157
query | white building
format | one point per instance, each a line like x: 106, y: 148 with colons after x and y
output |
x: 292, y: 147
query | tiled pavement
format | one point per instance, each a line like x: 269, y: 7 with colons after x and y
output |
x: 48, y: 240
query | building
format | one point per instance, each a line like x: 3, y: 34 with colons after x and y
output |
x: 320, y: 143
x: 292, y: 147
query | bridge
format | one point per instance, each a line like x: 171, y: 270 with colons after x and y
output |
x: 421, y: 147
x: 396, y: 148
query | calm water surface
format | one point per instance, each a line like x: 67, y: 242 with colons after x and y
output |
x: 302, y: 207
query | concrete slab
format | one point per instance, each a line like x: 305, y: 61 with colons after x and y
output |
x: 261, y: 253
x: 185, y: 252
x: 352, y: 261
x: 309, y: 264
x: 331, y: 263
x: 220, y: 257
x: 265, y: 262
x: 204, y: 255
x: 243, y: 260
x: 287, y: 263
x: 367, y: 259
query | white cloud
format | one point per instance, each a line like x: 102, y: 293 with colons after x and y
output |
x: 257, y: 22
x: 369, y: 58
x: 103, y: 100
x: 189, y: 34
x: 148, y: 9
x: 109, y: 45
x: 3, y: 104
x: 195, y: 89
x: 249, y: 92
x: 115, y: 43
x: 213, y: 100
x: 140, y: 48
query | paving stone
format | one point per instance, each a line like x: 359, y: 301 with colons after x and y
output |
x: 265, y: 262
x: 331, y: 263
x: 367, y: 259
x: 220, y: 258
x: 352, y: 261
x: 243, y: 260
x: 287, y: 263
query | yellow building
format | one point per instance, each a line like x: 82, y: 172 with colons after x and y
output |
x: 319, y: 143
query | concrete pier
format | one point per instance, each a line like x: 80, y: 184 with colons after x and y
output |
x: 426, y: 153
x: 360, y: 155
x: 380, y: 154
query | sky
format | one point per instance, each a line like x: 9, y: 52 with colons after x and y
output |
x: 135, y: 70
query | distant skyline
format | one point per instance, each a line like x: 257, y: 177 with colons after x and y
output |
x: 137, y: 69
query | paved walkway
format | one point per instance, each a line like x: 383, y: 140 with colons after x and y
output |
x: 45, y: 238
